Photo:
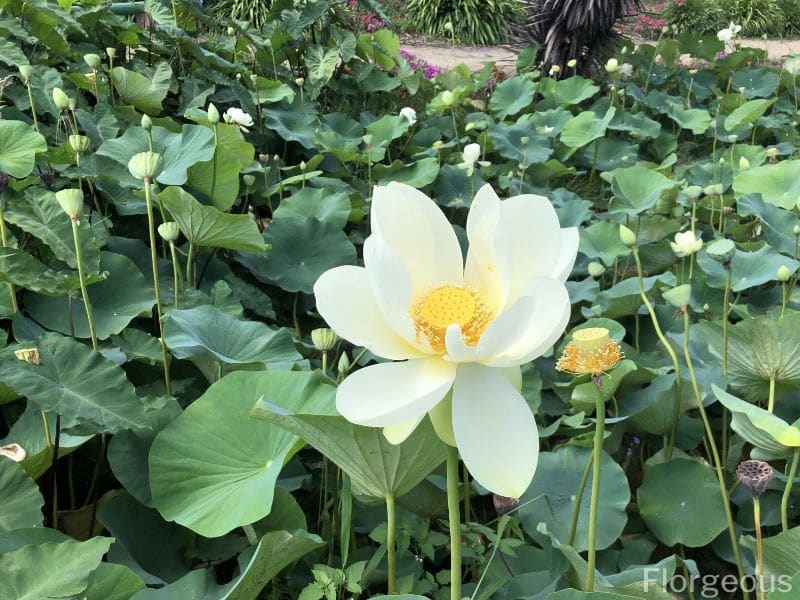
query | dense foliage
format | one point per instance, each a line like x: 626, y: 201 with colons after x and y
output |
x: 468, y: 21
x: 757, y: 17
x: 201, y: 456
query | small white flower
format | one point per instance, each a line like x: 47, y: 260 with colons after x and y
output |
x: 686, y: 244
x: 612, y: 66
x: 472, y: 152
x: 238, y: 117
x: 409, y: 113
x: 626, y: 69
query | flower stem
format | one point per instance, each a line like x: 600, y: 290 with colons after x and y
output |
x: 597, y: 456
x: 87, y: 305
x: 675, y: 364
x: 33, y: 106
x: 579, y: 500
x: 787, y: 491
x: 759, y: 545
x: 391, y: 549
x: 712, y: 442
x: 455, y: 523
x: 175, y: 271
x: 190, y: 266
x: 156, y: 285
x: 725, y: 302
x: 4, y: 238
x: 771, y: 400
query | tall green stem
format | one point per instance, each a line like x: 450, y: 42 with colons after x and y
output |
x: 771, y: 400
x: 148, y: 197
x: 391, y: 550
x: 725, y: 302
x: 576, y: 513
x: 190, y: 266
x: 454, y: 520
x: 175, y: 271
x: 788, y: 490
x: 33, y: 106
x: 82, y: 276
x: 597, y: 456
x: 759, y: 546
x: 675, y: 364
x: 712, y: 442
x: 4, y: 238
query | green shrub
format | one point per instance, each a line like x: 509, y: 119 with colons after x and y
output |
x: 695, y: 16
x: 755, y: 16
x: 474, y: 21
x: 791, y: 16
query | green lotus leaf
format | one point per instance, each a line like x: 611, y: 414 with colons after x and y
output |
x: 19, y: 144
x: 21, y: 502
x: 778, y: 184
x: 67, y: 564
x: 557, y: 481
x: 758, y: 426
x: 207, y: 226
x: 228, y: 480
x: 681, y: 504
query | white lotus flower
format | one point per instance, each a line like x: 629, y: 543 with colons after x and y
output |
x: 626, y: 69
x: 728, y: 34
x: 409, y: 113
x: 472, y: 152
x: 461, y: 331
x: 686, y: 244
x: 238, y: 117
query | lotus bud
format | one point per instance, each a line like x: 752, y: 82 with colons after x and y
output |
x: 693, y: 192
x: 147, y: 123
x: 29, y: 355
x: 249, y: 180
x: 300, y: 81
x: 93, y: 60
x: 744, y: 164
x: 231, y: 30
x: 732, y: 138
x: 469, y: 127
x: 303, y: 165
x: 60, y: 99
x: 323, y: 339
x: 169, y: 231
x: 368, y: 139
x: 438, y: 144
x: 596, y: 269
x: 524, y: 140
x: 343, y: 366
x: 555, y: 70
x: 679, y: 296
x: 721, y: 250
x: 612, y: 66
x: 627, y: 236
x: 741, y: 91
x: 79, y: 143
x: 448, y: 98
x: 713, y: 190
x: 146, y: 165
x: 213, y: 114
x: 25, y: 72
x: 111, y: 52
x: 784, y: 274
x: 572, y: 63
x: 796, y: 230
x: 14, y: 452
x: 71, y: 202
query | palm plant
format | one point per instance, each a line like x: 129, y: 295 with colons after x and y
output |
x: 579, y: 29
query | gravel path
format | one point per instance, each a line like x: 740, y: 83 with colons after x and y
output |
x: 475, y: 56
